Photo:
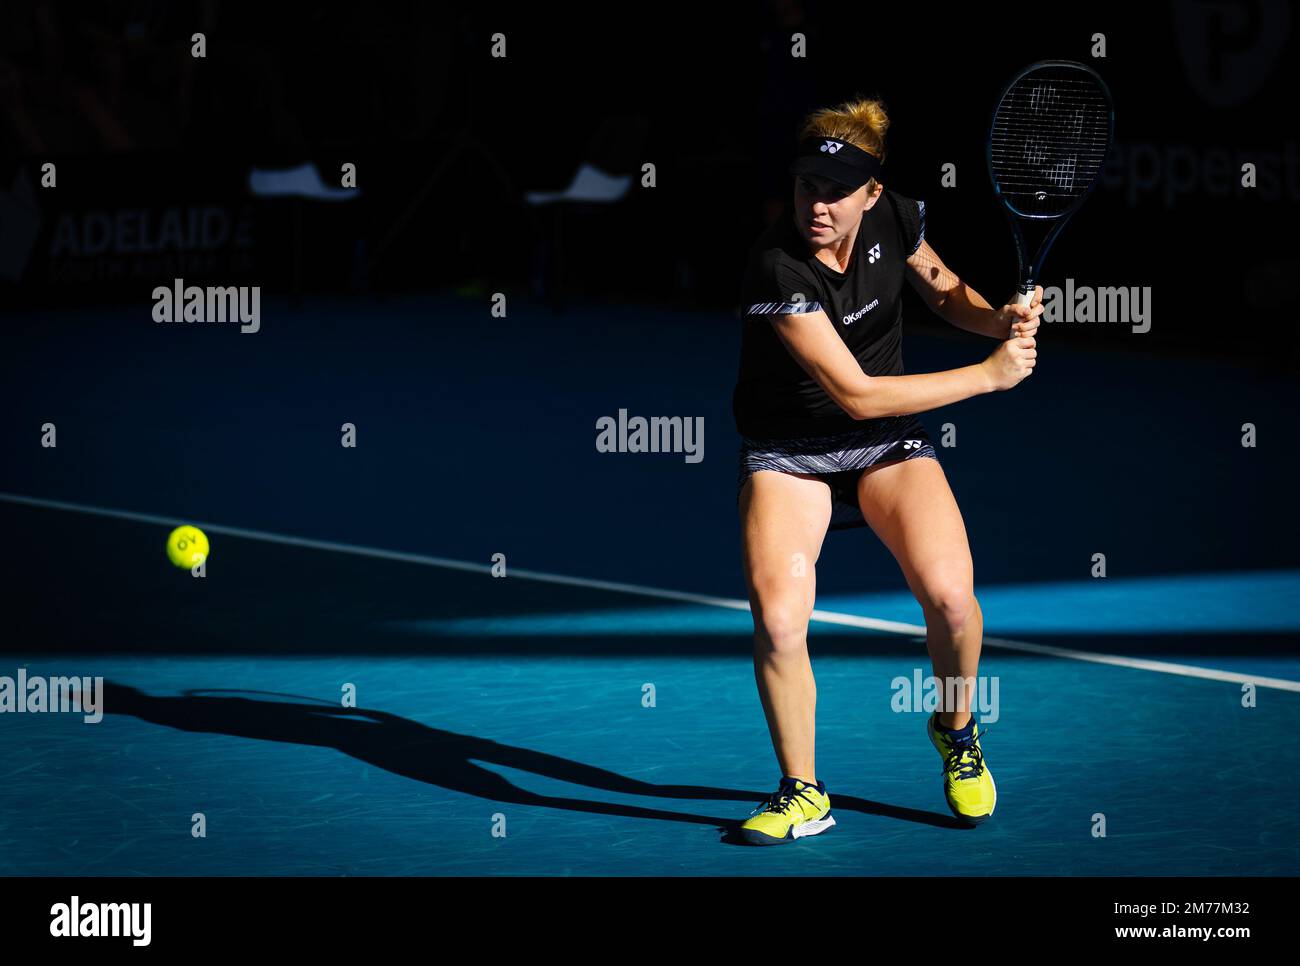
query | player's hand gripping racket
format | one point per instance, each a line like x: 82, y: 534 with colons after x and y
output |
x: 1050, y: 134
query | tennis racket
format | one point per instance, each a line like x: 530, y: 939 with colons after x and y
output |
x: 1050, y: 134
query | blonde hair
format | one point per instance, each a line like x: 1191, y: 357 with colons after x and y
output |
x: 861, y: 122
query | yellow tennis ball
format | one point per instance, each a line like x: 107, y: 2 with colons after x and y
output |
x: 186, y: 546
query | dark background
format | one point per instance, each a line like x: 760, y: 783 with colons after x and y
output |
x: 447, y: 139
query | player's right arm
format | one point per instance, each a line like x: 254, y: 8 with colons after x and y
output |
x: 810, y: 337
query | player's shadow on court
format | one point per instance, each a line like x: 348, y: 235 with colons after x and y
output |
x: 445, y: 758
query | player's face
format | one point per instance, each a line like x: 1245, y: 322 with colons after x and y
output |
x: 825, y: 210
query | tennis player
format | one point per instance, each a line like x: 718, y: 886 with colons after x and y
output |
x: 829, y: 441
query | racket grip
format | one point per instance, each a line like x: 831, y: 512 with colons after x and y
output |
x: 1024, y: 296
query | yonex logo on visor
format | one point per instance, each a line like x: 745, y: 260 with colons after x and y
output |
x: 836, y: 160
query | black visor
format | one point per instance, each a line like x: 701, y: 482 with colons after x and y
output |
x: 836, y: 161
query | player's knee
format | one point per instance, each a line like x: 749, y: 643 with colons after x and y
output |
x: 950, y: 600
x: 781, y: 626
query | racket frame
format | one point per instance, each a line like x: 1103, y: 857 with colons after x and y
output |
x: 1030, y: 269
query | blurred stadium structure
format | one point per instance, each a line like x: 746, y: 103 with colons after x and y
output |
x: 479, y: 174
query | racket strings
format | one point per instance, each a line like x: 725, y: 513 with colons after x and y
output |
x: 1049, y: 140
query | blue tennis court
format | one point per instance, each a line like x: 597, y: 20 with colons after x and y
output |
x: 593, y: 711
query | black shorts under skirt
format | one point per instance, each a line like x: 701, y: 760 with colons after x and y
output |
x: 839, y: 459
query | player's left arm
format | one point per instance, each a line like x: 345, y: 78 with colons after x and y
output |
x: 958, y: 304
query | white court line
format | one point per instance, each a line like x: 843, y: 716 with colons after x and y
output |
x: 731, y: 603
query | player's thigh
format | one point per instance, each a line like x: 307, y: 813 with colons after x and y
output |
x: 784, y: 518
x: 911, y: 508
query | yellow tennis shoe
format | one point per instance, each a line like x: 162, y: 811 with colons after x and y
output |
x: 967, y: 781
x: 795, y: 811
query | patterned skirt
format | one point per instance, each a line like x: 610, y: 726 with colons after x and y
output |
x: 838, y: 459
